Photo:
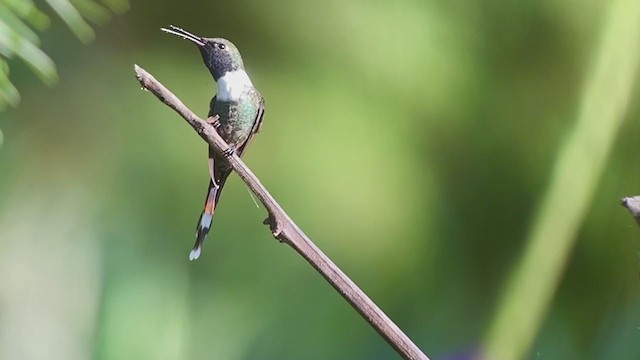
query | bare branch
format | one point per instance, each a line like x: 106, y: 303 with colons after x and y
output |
x: 286, y: 231
x: 632, y: 203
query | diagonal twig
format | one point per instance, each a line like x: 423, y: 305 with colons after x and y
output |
x: 286, y: 231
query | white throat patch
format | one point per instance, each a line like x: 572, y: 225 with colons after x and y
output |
x: 232, y: 85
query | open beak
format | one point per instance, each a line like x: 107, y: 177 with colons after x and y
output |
x: 184, y: 34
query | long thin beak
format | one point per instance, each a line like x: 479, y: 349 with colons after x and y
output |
x: 184, y: 34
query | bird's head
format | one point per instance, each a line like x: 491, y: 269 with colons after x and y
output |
x: 219, y: 55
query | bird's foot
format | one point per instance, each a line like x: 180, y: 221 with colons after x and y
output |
x: 214, y: 121
x: 229, y: 151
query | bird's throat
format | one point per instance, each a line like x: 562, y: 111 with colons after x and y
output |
x: 232, y: 85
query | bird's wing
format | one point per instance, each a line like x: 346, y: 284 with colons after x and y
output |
x: 257, y: 124
x: 213, y: 101
x: 212, y: 162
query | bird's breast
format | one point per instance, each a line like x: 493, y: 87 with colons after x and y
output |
x: 236, y: 119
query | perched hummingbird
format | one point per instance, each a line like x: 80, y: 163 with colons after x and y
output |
x: 239, y: 107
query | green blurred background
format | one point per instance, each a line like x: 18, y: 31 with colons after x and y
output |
x: 413, y: 141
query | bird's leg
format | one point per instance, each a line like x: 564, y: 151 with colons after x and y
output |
x: 214, y: 121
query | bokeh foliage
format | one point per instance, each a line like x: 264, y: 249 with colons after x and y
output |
x: 19, y: 21
x: 415, y: 141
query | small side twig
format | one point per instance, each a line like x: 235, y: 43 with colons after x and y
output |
x: 285, y: 230
x: 632, y: 203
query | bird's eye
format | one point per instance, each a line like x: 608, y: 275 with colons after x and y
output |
x: 221, y: 46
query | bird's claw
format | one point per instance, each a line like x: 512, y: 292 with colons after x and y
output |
x: 229, y: 152
x: 214, y: 121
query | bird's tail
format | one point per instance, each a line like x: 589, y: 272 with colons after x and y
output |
x: 206, y: 218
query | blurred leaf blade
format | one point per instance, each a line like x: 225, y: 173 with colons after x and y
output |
x: 72, y: 17
x: 8, y: 93
x: 117, y: 6
x: 92, y: 11
x: 11, y: 20
x: 41, y: 64
x: 14, y: 44
x: 27, y: 10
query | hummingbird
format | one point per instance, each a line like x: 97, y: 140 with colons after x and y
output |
x: 236, y: 111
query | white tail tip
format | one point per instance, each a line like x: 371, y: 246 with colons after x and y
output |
x: 195, y: 253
